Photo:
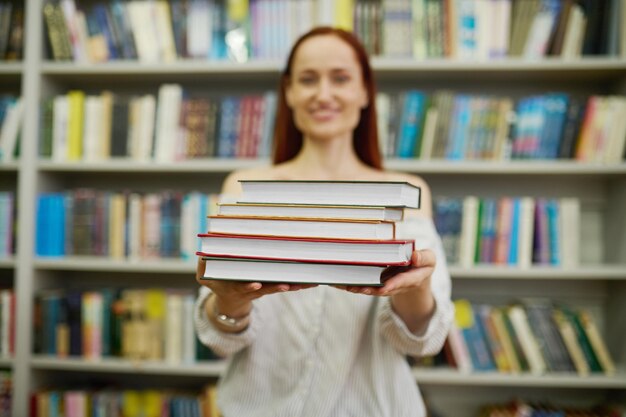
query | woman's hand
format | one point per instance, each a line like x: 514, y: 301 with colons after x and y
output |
x: 415, y: 277
x: 234, y: 298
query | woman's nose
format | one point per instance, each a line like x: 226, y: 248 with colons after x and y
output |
x: 324, y: 90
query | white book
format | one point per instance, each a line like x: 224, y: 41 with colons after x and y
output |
x: 302, y: 227
x: 315, y: 211
x: 365, y: 252
x: 164, y: 32
x: 140, y: 14
x: 362, y: 193
x: 61, y: 109
x: 189, y: 210
x: 174, y: 325
x: 383, y: 103
x: 539, y: 34
x: 11, y: 129
x: 167, y: 118
x: 460, y: 350
x: 469, y: 229
x: 569, y: 229
x: 526, y: 230
x: 189, y: 333
x: 574, y: 33
x: 528, y: 342
x: 199, y: 28
x: 294, y: 272
x: 616, y: 141
x: 145, y: 127
x: 92, y: 128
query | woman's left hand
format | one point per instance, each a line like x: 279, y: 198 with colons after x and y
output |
x: 398, y: 280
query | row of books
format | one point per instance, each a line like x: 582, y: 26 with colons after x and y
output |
x: 7, y: 323
x: 7, y: 223
x: 532, y: 335
x: 518, y: 408
x: 517, y: 231
x: 138, y: 324
x: 162, y: 31
x: 11, y: 30
x: 113, y: 401
x: 485, y: 29
x: 314, y: 243
x: 170, y: 126
x: 455, y: 126
x: 174, y: 125
x: 11, y: 115
x: 125, y: 224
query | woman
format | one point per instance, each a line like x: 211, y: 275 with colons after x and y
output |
x: 328, y: 351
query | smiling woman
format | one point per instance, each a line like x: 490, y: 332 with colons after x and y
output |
x: 328, y: 351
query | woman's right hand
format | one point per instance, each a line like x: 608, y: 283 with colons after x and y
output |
x: 234, y: 298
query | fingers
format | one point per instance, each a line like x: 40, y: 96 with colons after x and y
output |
x: 200, y: 268
x: 423, y: 258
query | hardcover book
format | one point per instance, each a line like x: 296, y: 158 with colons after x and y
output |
x: 255, y: 270
x: 365, y: 193
x: 316, y: 211
x: 363, y: 252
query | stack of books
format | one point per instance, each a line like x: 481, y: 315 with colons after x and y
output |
x: 323, y: 232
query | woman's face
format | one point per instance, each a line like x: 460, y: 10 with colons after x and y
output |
x: 326, y: 91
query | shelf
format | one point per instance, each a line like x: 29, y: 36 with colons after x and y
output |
x: 510, y: 68
x: 7, y: 262
x: 437, y: 376
x: 11, y: 67
x: 117, y: 365
x: 124, y: 165
x: 93, y: 263
x: 584, y: 272
x: 6, y: 362
x: 9, y: 166
x: 452, y: 377
x: 538, y: 167
x: 221, y: 165
x: 183, y: 70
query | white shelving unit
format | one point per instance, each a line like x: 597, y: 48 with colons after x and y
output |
x: 600, y: 282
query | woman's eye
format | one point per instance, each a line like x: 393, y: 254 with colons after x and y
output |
x: 307, y: 80
x: 340, y: 79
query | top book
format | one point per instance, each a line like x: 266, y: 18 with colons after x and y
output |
x: 338, y: 193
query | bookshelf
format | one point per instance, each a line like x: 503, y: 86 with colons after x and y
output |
x: 600, y: 281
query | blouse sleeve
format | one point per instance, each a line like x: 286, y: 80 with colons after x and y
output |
x: 393, y: 327
x: 222, y: 343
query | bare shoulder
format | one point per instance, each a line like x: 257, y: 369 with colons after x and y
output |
x: 425, y: 194
x: 271, y: 172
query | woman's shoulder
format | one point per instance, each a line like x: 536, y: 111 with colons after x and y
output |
x: 425, y: 194
x: 269, y: 172
x: 410, y: 178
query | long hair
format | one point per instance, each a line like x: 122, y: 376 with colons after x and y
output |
x: 287, y: 137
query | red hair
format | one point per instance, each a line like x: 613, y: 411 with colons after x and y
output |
x: 288, y: 139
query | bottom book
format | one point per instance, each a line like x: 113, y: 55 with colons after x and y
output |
x: 297, y: 272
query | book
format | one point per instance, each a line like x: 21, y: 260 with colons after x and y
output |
x: 302, y: 227
x: 362, y: 193
x: 256, y: 270
x: 363, y: 252
x: 317, y: 211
